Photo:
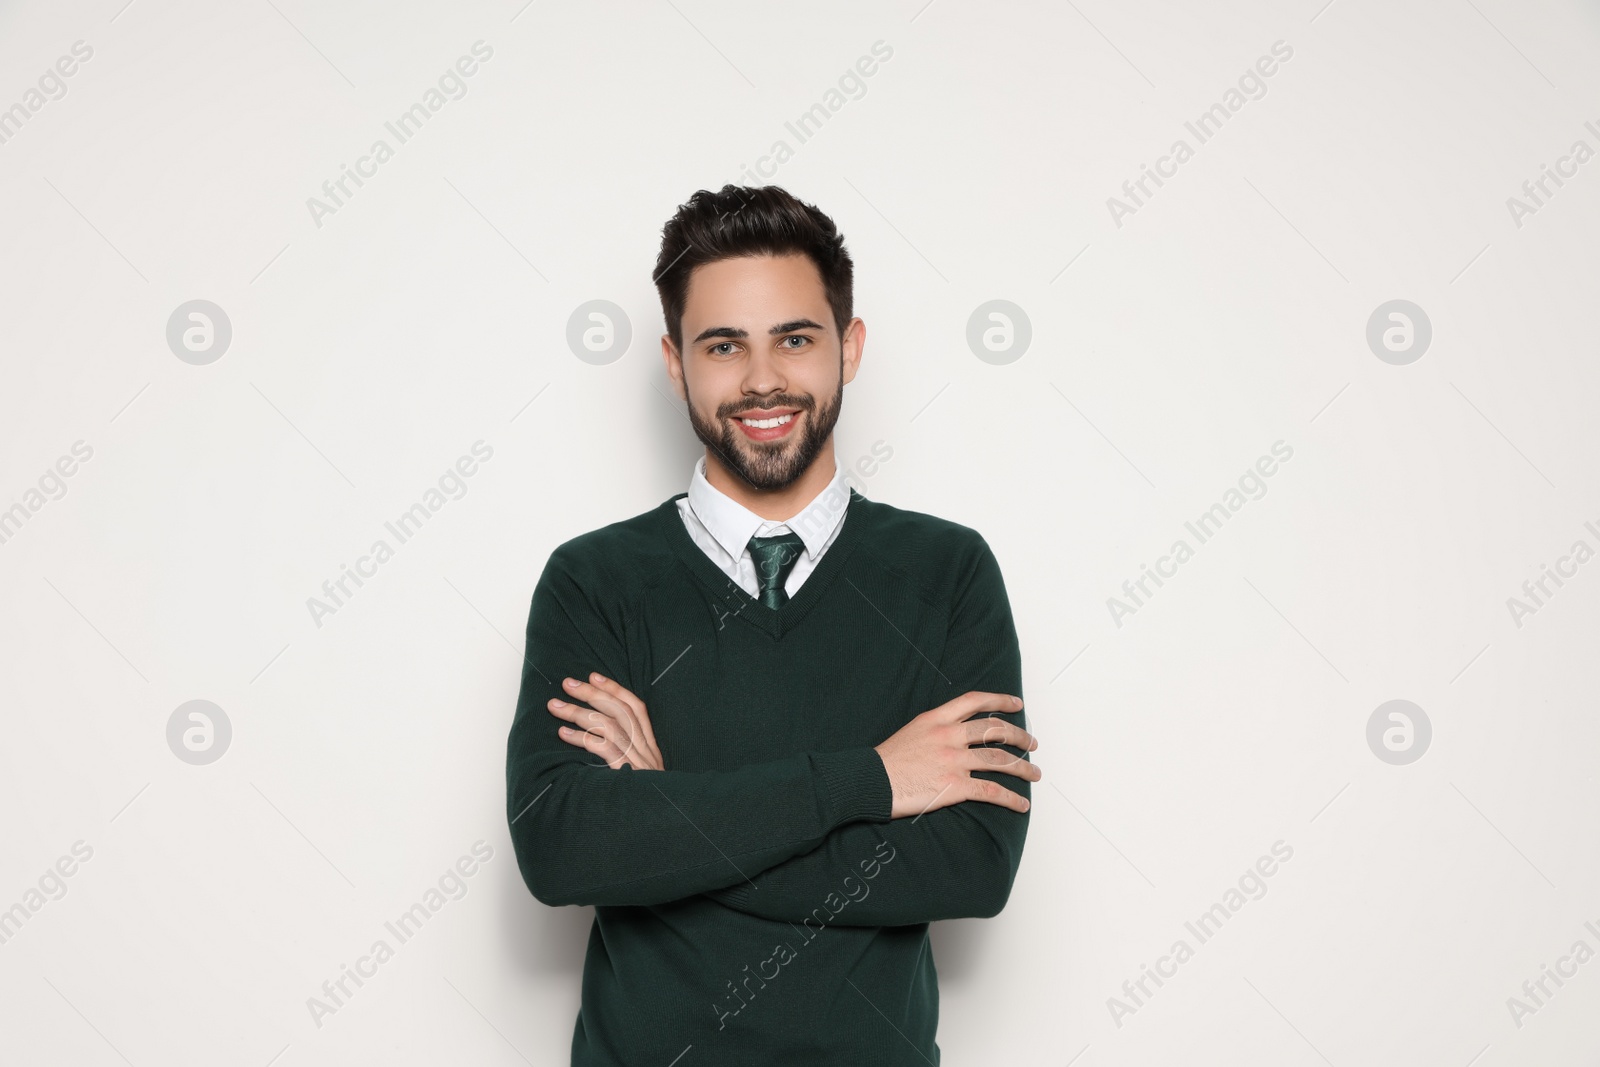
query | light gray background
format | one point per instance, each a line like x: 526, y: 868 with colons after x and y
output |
x: 1167, y: 354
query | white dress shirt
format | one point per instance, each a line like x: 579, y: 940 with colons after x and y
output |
x: 723, y: 527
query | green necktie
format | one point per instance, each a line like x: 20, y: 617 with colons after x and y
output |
x: 774, y: 558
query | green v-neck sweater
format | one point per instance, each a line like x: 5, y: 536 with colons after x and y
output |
x: 754, y: 902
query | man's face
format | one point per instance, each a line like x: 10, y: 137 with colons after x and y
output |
x: 759, y: 343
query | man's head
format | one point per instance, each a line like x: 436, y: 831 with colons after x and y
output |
x: 756, y: 292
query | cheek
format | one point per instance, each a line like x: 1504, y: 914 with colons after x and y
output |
x: 819, y: 383
x: 709, y: 390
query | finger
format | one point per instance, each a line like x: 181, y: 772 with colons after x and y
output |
x: 643, y: 761
x: 992, y: 730
x: 617, y: 690
x: 619, y: 755
x: 970, y: 703
x: 578, y: 737
x: 597, y: 744
x: 621, y: 747
x: 613, y: 706
x: 995, y: 793
x: 998, y: 759
x: 640, y: 712
x: 594, y: 722
x: 584, y: 718
x: 571, y: 736
x: 622, y: 729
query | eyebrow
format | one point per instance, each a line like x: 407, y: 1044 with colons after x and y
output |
x: 739, y: 335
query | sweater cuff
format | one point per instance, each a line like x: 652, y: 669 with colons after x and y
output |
x: 855, y: 786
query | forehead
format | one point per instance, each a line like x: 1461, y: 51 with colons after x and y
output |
x: 744, y: 287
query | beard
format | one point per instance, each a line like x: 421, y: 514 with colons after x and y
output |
x: 769, y: 465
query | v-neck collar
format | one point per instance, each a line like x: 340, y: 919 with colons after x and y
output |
x: 775, y: 621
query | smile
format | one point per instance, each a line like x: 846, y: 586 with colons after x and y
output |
x: 768, y: 428
x: 767, y: 424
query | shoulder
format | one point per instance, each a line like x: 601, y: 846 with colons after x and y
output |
x: 942, y: 554
x: 626, y: 552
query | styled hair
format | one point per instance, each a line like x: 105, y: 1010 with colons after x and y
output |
x: 743, y: 220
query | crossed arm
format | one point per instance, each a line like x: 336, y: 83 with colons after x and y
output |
x: 654, y: 828
x: 584, y: 833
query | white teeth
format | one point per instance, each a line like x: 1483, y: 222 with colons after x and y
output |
x: 767, y: 424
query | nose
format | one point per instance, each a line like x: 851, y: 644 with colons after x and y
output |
x: 762, y: 376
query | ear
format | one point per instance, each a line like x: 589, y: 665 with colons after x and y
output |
x: 855, y: 339
x: 674, y: 365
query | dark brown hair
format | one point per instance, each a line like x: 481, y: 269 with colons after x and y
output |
x: 743, y: 220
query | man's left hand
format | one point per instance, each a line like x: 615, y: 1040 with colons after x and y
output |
x: 616, y: 727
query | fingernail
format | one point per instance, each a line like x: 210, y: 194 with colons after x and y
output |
x: 1017, y: 701
x: 572, y: 683
x: 563, y: 731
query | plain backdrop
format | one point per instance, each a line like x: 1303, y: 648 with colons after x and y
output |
x: 1152, y: 346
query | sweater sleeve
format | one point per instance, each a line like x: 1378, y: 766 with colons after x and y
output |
x: 584, y: 833
x: 954, y: 862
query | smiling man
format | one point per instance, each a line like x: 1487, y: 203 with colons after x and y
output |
x: 769, y: 729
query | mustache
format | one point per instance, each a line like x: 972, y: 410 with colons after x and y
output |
x: 803, y: 403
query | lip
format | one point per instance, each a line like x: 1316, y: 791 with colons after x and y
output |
x: 773, y: 433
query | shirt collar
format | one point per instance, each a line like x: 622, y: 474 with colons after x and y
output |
x: 732, y: 525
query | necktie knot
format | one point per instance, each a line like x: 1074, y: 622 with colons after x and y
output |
x: 774, y: 558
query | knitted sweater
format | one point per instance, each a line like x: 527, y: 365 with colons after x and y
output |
x: 754, y: 901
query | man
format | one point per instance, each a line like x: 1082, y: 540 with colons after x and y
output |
x: 770, y: 729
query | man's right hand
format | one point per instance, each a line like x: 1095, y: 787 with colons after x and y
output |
x: 930, y: 765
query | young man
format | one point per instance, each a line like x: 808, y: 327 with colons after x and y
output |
x: 770, y: 729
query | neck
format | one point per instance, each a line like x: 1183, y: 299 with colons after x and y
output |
x: 774, y: 505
